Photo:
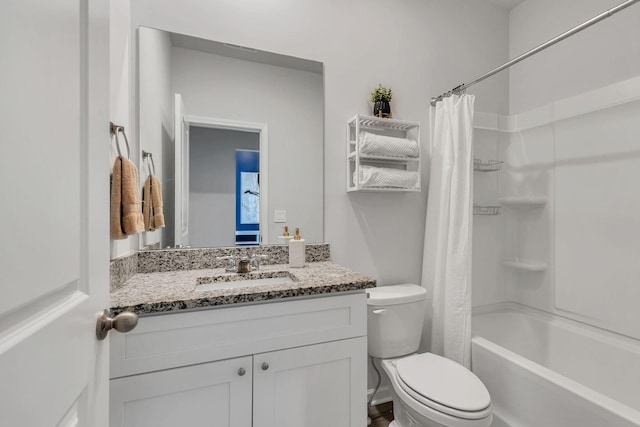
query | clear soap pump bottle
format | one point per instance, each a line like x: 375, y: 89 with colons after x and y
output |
x: 296, y: 251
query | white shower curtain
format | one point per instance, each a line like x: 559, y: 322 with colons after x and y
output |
x: 446, y: 268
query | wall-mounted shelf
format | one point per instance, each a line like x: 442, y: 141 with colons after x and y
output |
x: 523, y: 201
x: 370, y: 122
x: 487, y: 165
x: 486, y: 210
x: 394, y: 165
x: 524, y: 265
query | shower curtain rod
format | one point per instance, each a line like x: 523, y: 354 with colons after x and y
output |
x: 535, y: 50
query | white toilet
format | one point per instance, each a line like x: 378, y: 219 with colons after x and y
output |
x: 428, y: 390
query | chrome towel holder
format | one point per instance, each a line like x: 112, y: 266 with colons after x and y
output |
x: 151, y: 166
x: 115, y: 130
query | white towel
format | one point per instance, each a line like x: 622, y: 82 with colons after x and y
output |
x: 371, y: 176
x: 371, y: 143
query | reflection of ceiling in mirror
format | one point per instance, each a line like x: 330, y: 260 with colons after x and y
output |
x: 244, y: 53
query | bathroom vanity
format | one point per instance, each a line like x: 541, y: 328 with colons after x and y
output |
x: 291, y: 354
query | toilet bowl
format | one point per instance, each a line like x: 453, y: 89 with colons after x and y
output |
x: 428, y: 390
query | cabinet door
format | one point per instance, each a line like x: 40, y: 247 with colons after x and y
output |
x: 312, y: 386
x: 210, y: 394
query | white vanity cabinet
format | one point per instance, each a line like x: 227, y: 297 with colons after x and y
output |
x: 208, y: 394
x: 292, y: 363
x: 311, y: 386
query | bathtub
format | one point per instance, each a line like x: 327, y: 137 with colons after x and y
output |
x: 548, y: 371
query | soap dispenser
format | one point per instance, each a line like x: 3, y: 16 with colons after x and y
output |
x: 296, y: 251
x: 285, y: 235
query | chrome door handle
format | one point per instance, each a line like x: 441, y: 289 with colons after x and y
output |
x: 123, y: 322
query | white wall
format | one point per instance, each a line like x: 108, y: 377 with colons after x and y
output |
x: 606, y: 53
x: 420, y: 48
x: 290, y: 102
x: 586, y: 165
x: 156, y: 120
x: 121, y: 96
x: 212, y: 184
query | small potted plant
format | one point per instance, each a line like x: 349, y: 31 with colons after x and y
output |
x: 380, y: 97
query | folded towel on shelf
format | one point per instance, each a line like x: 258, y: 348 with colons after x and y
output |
x: 152, y: 206
x: 126, y: 209
x: 375, y: 177
x: 380, y: 145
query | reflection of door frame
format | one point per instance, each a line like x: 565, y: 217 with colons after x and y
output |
x: 262, y: 129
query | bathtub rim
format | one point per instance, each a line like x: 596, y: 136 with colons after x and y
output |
x: 626, y: 412
x: 558, y: 319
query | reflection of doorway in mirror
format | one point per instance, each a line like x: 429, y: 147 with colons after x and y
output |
x: 213, y: 202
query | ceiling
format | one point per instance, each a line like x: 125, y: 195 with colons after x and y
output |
x: 507, y: 4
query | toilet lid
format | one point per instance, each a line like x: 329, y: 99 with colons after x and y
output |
x: 443, y: 381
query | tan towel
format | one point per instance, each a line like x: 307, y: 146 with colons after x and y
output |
x: 152, y: 207
x: 126, y: 209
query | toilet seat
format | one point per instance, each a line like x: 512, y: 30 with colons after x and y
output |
x: 443, y: 385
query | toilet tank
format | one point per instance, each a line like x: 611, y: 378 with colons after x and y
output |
x: 395, y: 315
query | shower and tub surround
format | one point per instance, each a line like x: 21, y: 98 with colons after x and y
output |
x: 551, y: 371
x: 241, y: 347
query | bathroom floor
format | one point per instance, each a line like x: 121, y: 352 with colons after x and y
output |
x: 381, y: 415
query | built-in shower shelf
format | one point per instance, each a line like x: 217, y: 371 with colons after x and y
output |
x: 523, y: 202
x: 487, y: 165
x: 486, y: 210
x: 524, y: 264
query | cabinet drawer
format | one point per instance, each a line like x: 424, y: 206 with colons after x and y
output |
x: 180, y: 339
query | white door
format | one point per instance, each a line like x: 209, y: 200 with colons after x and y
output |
x: 216, y: 394
x: 54, y: 186
x: 312, y: 386
x: 181, y: 137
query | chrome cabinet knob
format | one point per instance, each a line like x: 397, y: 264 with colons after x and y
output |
x: 242, y: 371
x: 123, y: 322
x: 265, y: 366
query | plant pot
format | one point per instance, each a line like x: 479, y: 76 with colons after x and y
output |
x: 382, y: 109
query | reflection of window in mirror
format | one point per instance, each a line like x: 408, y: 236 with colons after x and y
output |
x: 247, y: 197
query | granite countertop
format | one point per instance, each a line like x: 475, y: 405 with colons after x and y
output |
x: 170, y: 291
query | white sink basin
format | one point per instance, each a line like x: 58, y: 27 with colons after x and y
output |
x: 244, y: 281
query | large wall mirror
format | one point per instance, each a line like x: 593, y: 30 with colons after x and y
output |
x: 236, y: 137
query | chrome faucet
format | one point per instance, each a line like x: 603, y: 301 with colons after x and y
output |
x: 254, y: 263
x: 231, y: 265
x: 243, y: 264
